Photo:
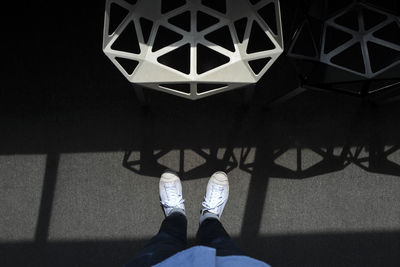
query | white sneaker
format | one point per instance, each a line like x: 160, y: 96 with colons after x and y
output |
x: 171, y: 193
x: 216, y: 195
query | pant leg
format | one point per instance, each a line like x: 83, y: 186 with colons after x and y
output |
x: 212, y: 234
x: 170, y: 239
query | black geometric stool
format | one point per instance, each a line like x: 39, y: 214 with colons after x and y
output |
x: 348, y: 47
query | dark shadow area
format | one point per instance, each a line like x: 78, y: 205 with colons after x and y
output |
x: 49, y: 185
x: 63, y: 96
x: 378, y: 159
x: 148, y: 163
x: 215, y: 151
x: 350, y: 249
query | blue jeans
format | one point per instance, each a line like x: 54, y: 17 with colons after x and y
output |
x: 172, y: 238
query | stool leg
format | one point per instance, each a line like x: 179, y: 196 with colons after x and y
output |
x: 140, y: 95
x: 286, y: 97
x: 248, y: 94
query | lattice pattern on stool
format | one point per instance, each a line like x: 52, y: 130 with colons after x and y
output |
x: 360, y: 40
x: 193, y: 48
x: 359, y: 32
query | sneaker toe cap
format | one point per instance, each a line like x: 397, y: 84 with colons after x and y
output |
x: 220, y: 178
x: 169, y: 176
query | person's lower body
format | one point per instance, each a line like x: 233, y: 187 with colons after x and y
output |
x: 171, y: 237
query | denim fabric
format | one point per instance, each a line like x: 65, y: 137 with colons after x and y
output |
x: 172, y: 238
x: 212, y: 234
x: 200, y: 256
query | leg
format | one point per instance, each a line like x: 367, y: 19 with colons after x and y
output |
x: 172, y: 235
x: 140, y: 95
x: 212, y: 234
x: 248, y: 94
x: 286, y: 97
x: 170, y: 239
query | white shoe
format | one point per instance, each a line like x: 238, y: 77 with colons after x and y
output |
x: 171, y: 193
x: 216, y: 196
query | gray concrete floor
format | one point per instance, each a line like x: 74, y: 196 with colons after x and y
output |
x: 313, y: 183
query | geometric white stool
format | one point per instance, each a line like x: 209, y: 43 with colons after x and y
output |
x: 193, y: 48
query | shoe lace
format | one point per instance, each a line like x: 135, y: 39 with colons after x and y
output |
x: 174, y: 199
x: 214, y: 198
